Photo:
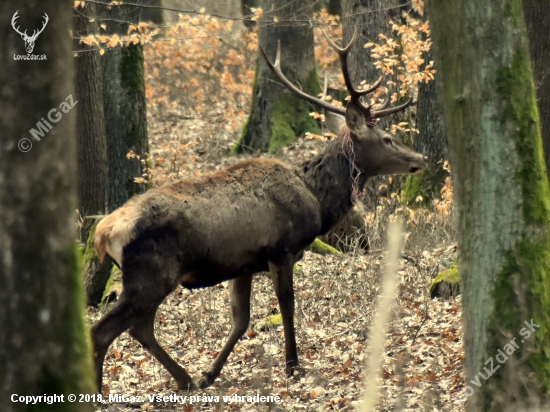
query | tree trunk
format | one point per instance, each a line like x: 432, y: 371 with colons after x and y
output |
x: 114, y: 122
x: 370, y: 18
x: 537, y: 18
x: 246, y: 9
x: 44, y: 348
x: 502, y: 199
x: 335, y: 7
x: 152, y: 14
x: 125, y: 112
x: 91, y: 135
x: 431, y: 141
x: 91, y: 151
x: 226, y: 8
x: 277, y: 116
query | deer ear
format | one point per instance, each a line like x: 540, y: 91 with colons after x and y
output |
x: 335, y: 122
x: 355, y: 120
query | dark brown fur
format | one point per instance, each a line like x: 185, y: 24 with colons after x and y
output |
x: 255, y: 216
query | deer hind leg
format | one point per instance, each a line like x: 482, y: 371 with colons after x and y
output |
x: 281, y: 275
x: 143, y: 332
x: 239, y: 292
x: 108, y: 328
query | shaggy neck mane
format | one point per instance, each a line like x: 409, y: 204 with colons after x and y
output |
x: 334, y: 179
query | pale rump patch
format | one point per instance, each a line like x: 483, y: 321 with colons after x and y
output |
x: 114, y: 232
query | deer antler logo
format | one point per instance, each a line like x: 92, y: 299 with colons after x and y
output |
x: 29, y: 40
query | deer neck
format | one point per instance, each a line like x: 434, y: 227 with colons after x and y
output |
x: 334, y: 180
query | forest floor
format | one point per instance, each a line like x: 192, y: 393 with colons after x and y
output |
x: 336, y: 295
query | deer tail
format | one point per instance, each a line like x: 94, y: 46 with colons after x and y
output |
x: 114, y: 232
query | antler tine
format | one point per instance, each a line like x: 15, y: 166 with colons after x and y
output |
x: 37, y: 32
x: 14, y: 22
x: 276, y: 68
x: 381, y: 113
x: 343, y: 55
x: 341, y: 51
x: 383, y: 105
x: 325, y: 89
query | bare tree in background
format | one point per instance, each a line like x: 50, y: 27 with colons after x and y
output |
x: 277, y: 116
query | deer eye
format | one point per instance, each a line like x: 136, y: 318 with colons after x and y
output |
x: 388, y: 140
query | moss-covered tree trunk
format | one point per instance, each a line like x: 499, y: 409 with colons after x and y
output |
x: 277, y: 116
x: 537, y: 18
x: 44, y: 349
x: 502, y: 198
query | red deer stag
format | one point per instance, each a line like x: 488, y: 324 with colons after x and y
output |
x: 255, y: 216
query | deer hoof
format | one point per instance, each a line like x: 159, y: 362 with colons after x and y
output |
x: 206, y: 380
x: 186, y: 386
x: 290, y: 370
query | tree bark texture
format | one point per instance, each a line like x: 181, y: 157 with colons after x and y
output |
x: 502, y: 197
x: 537, y: 19
x: 154, y: 13
x: 431, y: 141
x: 226, y: 8
x: 277, y: 116
x: 370, y: 18
x: 125, y: 110
x: 91, y: 134
x: 44, y: 349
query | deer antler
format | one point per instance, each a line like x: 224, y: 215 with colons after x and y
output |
x: 355, y: 95
x: 276, y: 67
x: 37, y: 32
x: 14, y: 22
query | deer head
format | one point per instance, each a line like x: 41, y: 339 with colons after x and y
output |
x: 371, y: 149
x: 29, y: 40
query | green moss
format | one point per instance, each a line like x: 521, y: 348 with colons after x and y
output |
x: 322, y: 248
x: 74, y: 331
x: 529, y: 259
x: 271, y: 322
x: 132, y: 68
x: 515, y: 83
x: 536, y: 257
x: 290, y: 117
x: 298, y: 269
x: 313, y: 84
x: 450, y: 276
x: 89, y: 251
x: 282, y: 117
x: 412, y: 188
x: 514, y: 11
x: 115, y: 279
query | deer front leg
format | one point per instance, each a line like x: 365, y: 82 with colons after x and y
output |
x: 239, y: 292
x: 282, y: 281
x: 144, y: 332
